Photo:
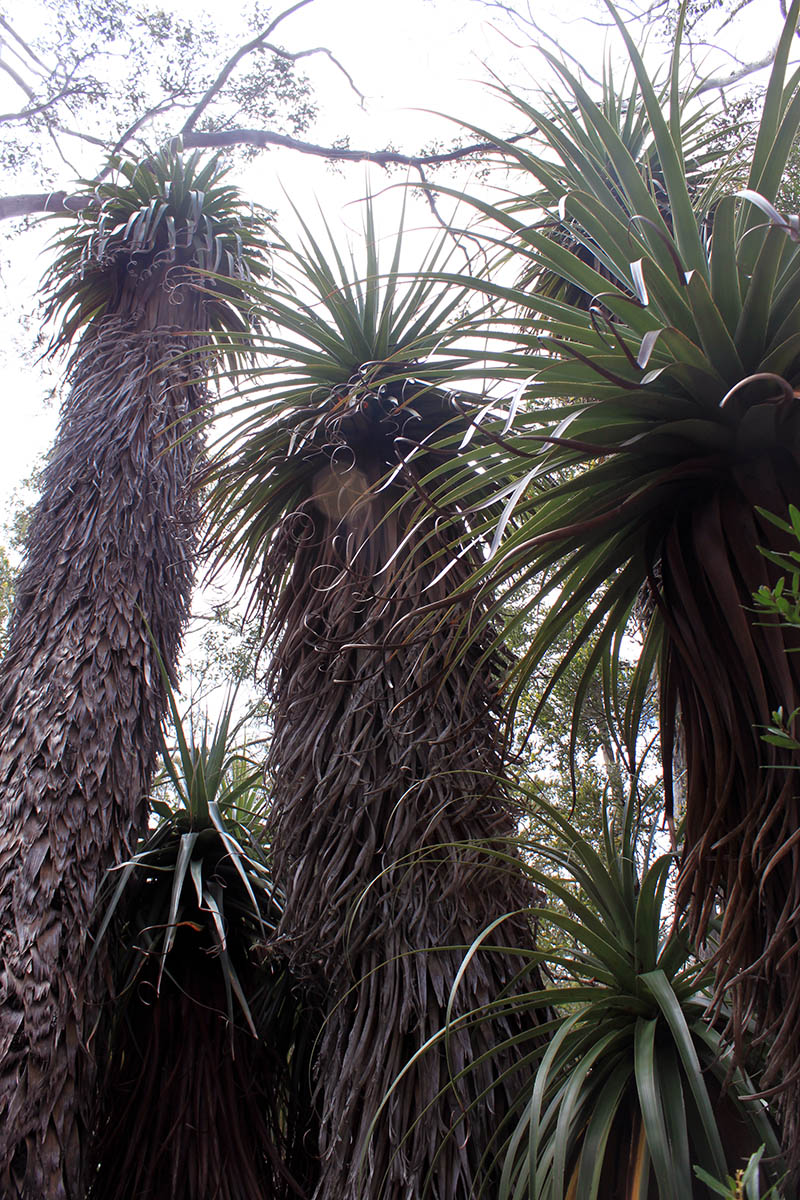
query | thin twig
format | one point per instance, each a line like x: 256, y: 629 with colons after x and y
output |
x: 84, y: 137
x: 457, y: 235
x: 42, y: 106
x: 156, y: 110
x: 294, y: 55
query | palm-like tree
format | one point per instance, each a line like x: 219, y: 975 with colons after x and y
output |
x: 107, y: 579
x: 670, y: 430
x: 387, y: 812
x: 205, y: 1080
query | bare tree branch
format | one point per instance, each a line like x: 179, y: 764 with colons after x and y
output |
x: 234, y: 61
x: 294, y: 55
x: 84, y: 137
x: 459, y: 236
x: 61, y: 201
x: 157, y: 110
x: 32, y: 203
x: 4, y: 24
x: 25, y: 113
x: 51, y: 131
x: 541, y: 33
x: 741, y: 72
x: 222, y: 138
x: 18, y: 80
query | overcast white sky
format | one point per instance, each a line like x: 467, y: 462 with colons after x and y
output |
x: 406, y: 58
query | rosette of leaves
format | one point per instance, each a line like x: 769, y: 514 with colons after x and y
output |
x: 661, y: 420
x: 635, y: 1094
x: 204, y: 1052
x: 344, y: 345
x: 168, y: 232
x: 144, y: 279
x: 711, y: 161
x: 384, y: 800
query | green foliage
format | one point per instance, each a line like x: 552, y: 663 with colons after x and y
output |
x: 654, y: 330
x: 634, y: 1085
x: 16, y: 530
x: 595, y: 754
x: 342, y: 336
x: 7, y: 582
x: 710, y: 148
x: 206, y: 1052
x: 656, y: 340
x: 172, y: 213
x: 206, y: 856
x: 100, y: 73
x: 782, y: 603
x: 745, y: 1186
x: 652, y: 374
x: 229, y: 647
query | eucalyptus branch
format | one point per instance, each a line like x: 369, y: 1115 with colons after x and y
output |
x: 52, y: 131
x: 4, y: 24
x: 459, y: 236
x: 25, y: 113
x: 223, y: 138
x: 230, y: 66
x: 156, y: 110
x: 82, y: 136
x: 741, y: 72
x: 30, y: 204
x: 294, y: 55
x: 62, y: 201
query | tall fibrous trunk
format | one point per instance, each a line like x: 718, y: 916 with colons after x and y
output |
x: 392, y: 829
x: 105, y: 588
x: 388, y: 811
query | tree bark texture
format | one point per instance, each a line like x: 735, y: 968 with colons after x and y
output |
x: 107, y: 579
x: 389, y: 811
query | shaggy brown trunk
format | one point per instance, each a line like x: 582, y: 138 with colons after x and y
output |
x: 180, y: 1085
x: 728, y: 670
x: 385, y: 770
x: 81, y: 699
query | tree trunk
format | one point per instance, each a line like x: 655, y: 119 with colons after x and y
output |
x: 107, y: 579
x: 387, y: 807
